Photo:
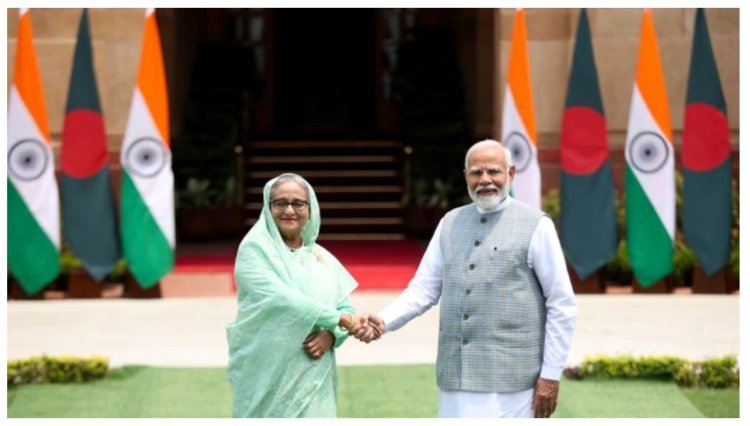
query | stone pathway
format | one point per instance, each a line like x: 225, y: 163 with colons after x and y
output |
x: 190, y: 331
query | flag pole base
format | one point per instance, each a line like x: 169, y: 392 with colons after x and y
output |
x: 663, y: 286
x: 16, y: 292
x: 594, y: 284
x: 82, y: 286
x: 718, y: 283
x: 133, y: 290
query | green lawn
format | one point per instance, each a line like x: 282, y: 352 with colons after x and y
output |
x: 370, y: 391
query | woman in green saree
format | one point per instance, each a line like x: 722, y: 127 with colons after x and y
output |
x: 293, y: 309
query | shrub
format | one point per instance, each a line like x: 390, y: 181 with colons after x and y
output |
x: 117, y: 273
x: 619, y: 266
x: 68, y: 260
x: 551, y: 205
x: 626, y: 367
x: 684, y: 260
x: 56, y: 369
x: 720, y: 372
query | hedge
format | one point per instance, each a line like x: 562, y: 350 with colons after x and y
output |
x: 56, y: 369
x: 721, y: 372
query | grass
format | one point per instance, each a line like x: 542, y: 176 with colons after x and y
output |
x: 132, y: 391
x: 364, y: 391
x: 624, y: 398
x: 387, y: 391
x: 716, y: 403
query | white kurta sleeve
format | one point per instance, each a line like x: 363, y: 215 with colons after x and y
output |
x: 547, y: 259
x: 423, y: 291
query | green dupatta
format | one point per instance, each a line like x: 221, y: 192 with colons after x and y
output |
x: 282, y: 297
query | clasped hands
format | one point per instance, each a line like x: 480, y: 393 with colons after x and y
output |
x: 365, y: 328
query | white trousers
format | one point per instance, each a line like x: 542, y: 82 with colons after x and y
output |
x: 486, y: 405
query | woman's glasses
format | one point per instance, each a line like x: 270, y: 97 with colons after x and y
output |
x: 297, y: 205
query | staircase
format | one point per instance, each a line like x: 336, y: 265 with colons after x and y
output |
x: 359, y: 184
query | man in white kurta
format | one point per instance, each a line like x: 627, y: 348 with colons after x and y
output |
x: 489, y: 174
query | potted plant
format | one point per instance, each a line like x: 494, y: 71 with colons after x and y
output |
x: 78, y: 283
x: 194, y: 218
x: 684, y: 262
x: 205, y: 212
x: 427, y: 203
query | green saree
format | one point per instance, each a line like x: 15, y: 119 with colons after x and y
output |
x: 283, y: 296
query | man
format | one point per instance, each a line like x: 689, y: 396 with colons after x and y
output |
x: 508, y: 310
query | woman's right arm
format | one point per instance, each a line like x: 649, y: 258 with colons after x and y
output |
x: 260, y: 284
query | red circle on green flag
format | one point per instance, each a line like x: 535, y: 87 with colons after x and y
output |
x: 583, y: 149
x: 705, y: 139
x: 84, y: 148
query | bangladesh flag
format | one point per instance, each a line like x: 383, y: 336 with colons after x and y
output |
x: 707, y: 196
x: 88, y: 211
x: 588, y: 220
x: 649, y: 175
x: 147, y: 194
x: 33, y: 198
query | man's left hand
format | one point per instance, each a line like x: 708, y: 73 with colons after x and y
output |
x: 545, y: 397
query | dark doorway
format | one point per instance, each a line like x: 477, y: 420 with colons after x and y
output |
x: 325, y: 73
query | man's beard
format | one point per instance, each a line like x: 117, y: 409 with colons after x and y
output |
x: 488, y: 202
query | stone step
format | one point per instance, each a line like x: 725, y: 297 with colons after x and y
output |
x: 348, y: 205
x: 359, y: 183
x: 392, y: 236
x: 360, y: 221
x: 261, y: 145
x: 324, y: 159
x: 311, y: 175
x: 335, y: 189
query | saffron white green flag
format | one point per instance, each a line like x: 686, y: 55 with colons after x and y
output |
x: 33, y: 198
x: 649, y: 175
x: 146, y: 196
x: 519, y: 125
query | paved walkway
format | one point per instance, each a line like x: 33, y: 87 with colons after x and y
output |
x: 190, y: 331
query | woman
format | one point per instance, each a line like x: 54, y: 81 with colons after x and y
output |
x: 293, y: 308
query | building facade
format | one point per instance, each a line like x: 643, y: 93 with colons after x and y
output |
x: 297, y: 76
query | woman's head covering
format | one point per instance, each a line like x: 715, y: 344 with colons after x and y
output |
x: 311, y: 228
x: 281, y: 296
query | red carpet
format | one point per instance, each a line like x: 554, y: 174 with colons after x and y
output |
x: 376, y: 265
x: 209, y: 262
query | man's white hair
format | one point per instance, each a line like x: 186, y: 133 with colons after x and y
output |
x: 486, y: 142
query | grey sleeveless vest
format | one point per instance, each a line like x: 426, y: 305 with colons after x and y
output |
x: 492, y: 311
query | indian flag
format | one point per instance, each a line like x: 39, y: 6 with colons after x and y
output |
x: 33, y: 199
x: 649, y: 176
x: 519, y: 127
x: 146, y: 196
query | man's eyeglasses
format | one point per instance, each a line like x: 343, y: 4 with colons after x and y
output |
x: 477, y: 173
x: 297, y: 205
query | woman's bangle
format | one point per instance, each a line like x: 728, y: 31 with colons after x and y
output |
x: 346, y: 322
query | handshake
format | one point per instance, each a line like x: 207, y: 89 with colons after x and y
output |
x: 367, y: 328
x: 363, y: 327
